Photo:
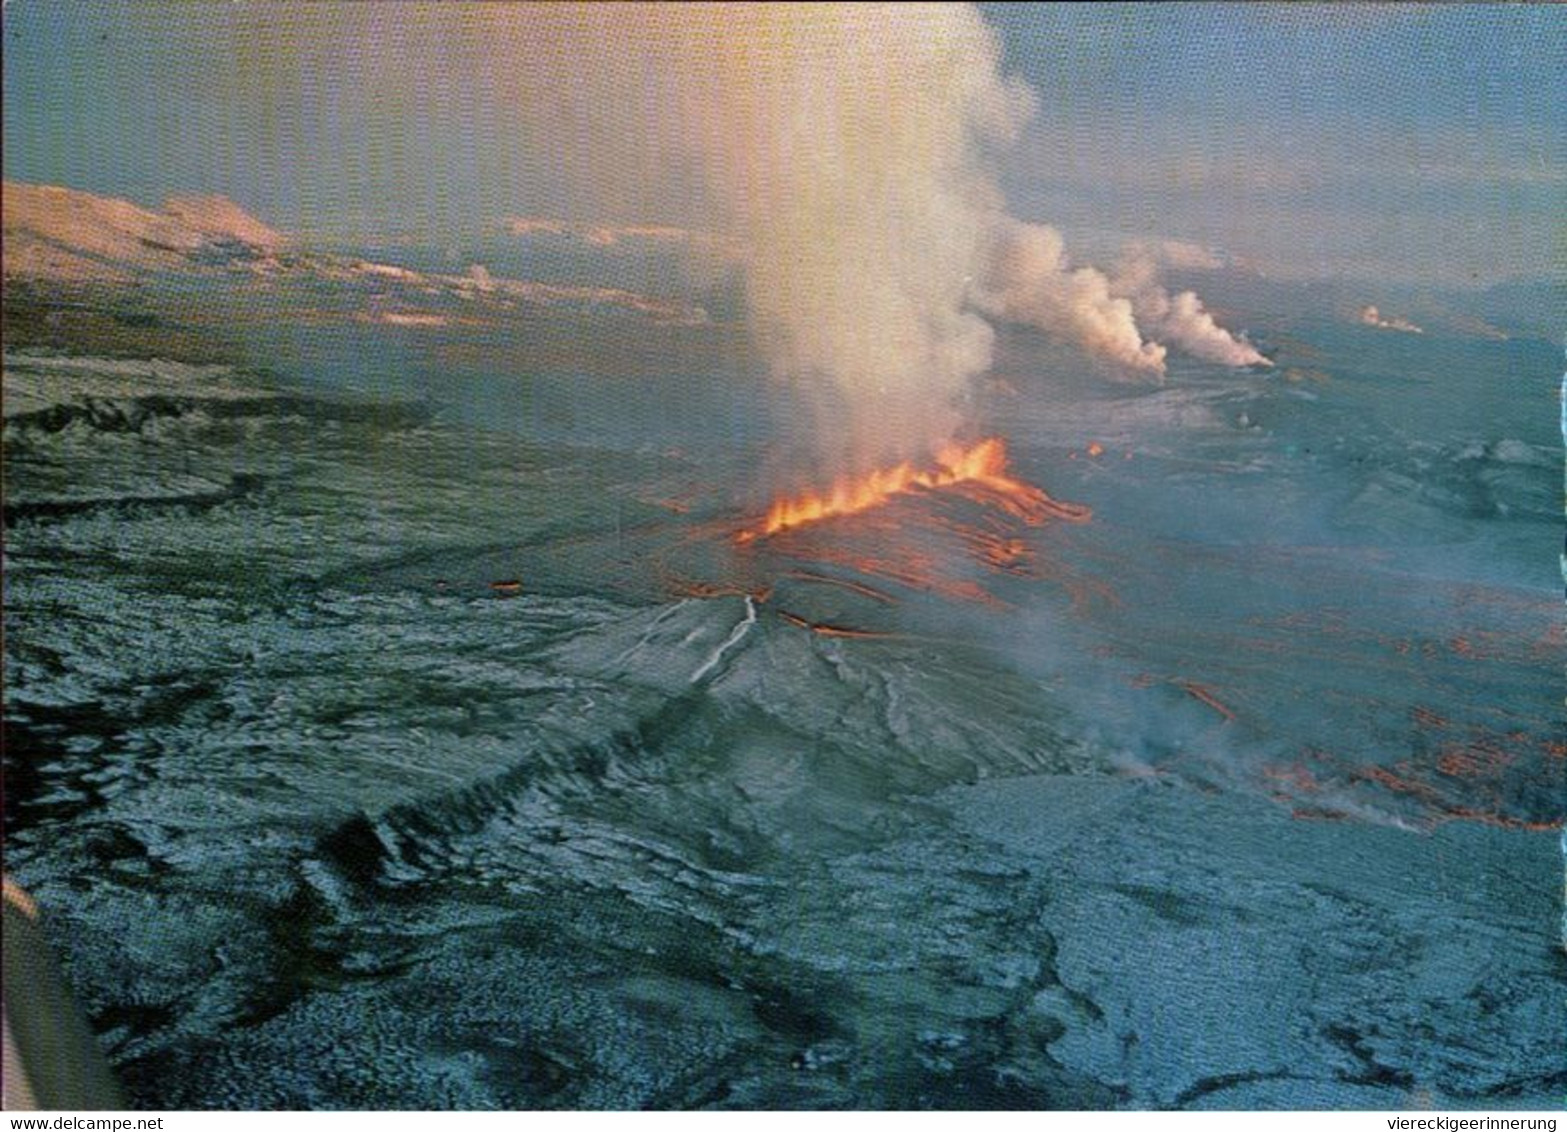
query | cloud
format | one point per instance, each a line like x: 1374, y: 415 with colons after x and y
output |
x: 1181, y: 320
x: 848, y: 151
x: 1370, y: 316
x: 63, y: 233
x: 1185, y: 255
x: 631, y: 238
x: 1032, y: 282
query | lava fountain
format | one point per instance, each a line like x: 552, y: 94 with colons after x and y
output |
x: 980, y: 469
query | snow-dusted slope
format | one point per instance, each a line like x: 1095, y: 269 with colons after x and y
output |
x: 64, y: 234
x: 56, y: 235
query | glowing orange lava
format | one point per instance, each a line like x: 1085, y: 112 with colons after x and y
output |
x: 982, y: 467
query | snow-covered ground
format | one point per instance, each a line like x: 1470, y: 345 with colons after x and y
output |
x: 389, y: 739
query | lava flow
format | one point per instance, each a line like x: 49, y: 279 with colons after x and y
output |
x: 981, y: 468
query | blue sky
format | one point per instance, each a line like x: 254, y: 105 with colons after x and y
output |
x: 1419, y: 142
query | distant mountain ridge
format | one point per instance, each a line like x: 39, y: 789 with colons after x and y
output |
x: 67, y: 235
x: 57, y: 235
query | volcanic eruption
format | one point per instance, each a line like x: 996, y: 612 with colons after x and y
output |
x: 846, y: 156
x: 981, y: 468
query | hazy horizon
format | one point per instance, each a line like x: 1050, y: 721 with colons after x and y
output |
x: 1414, y: 145
x: 789, y: 557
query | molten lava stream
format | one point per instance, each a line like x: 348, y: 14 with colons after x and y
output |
x: 982, y: 468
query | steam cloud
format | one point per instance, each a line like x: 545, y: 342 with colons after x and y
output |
x: 851, y: 148
x: 1370, y: 316
x: 1031, y: 281
x: 847, y: 154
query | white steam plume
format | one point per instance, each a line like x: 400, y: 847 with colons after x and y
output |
x: 1031, y: 281
x: 1181, y: 320
x: 1370, y: 316
x: 847, y: 152
x: 844, y: 151
x: 849, y: 148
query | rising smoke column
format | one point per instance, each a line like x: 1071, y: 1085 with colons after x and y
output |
x: 850, y: 148
x: 1031, y: 281
x: 844, y: 153
x: 847, y: 154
